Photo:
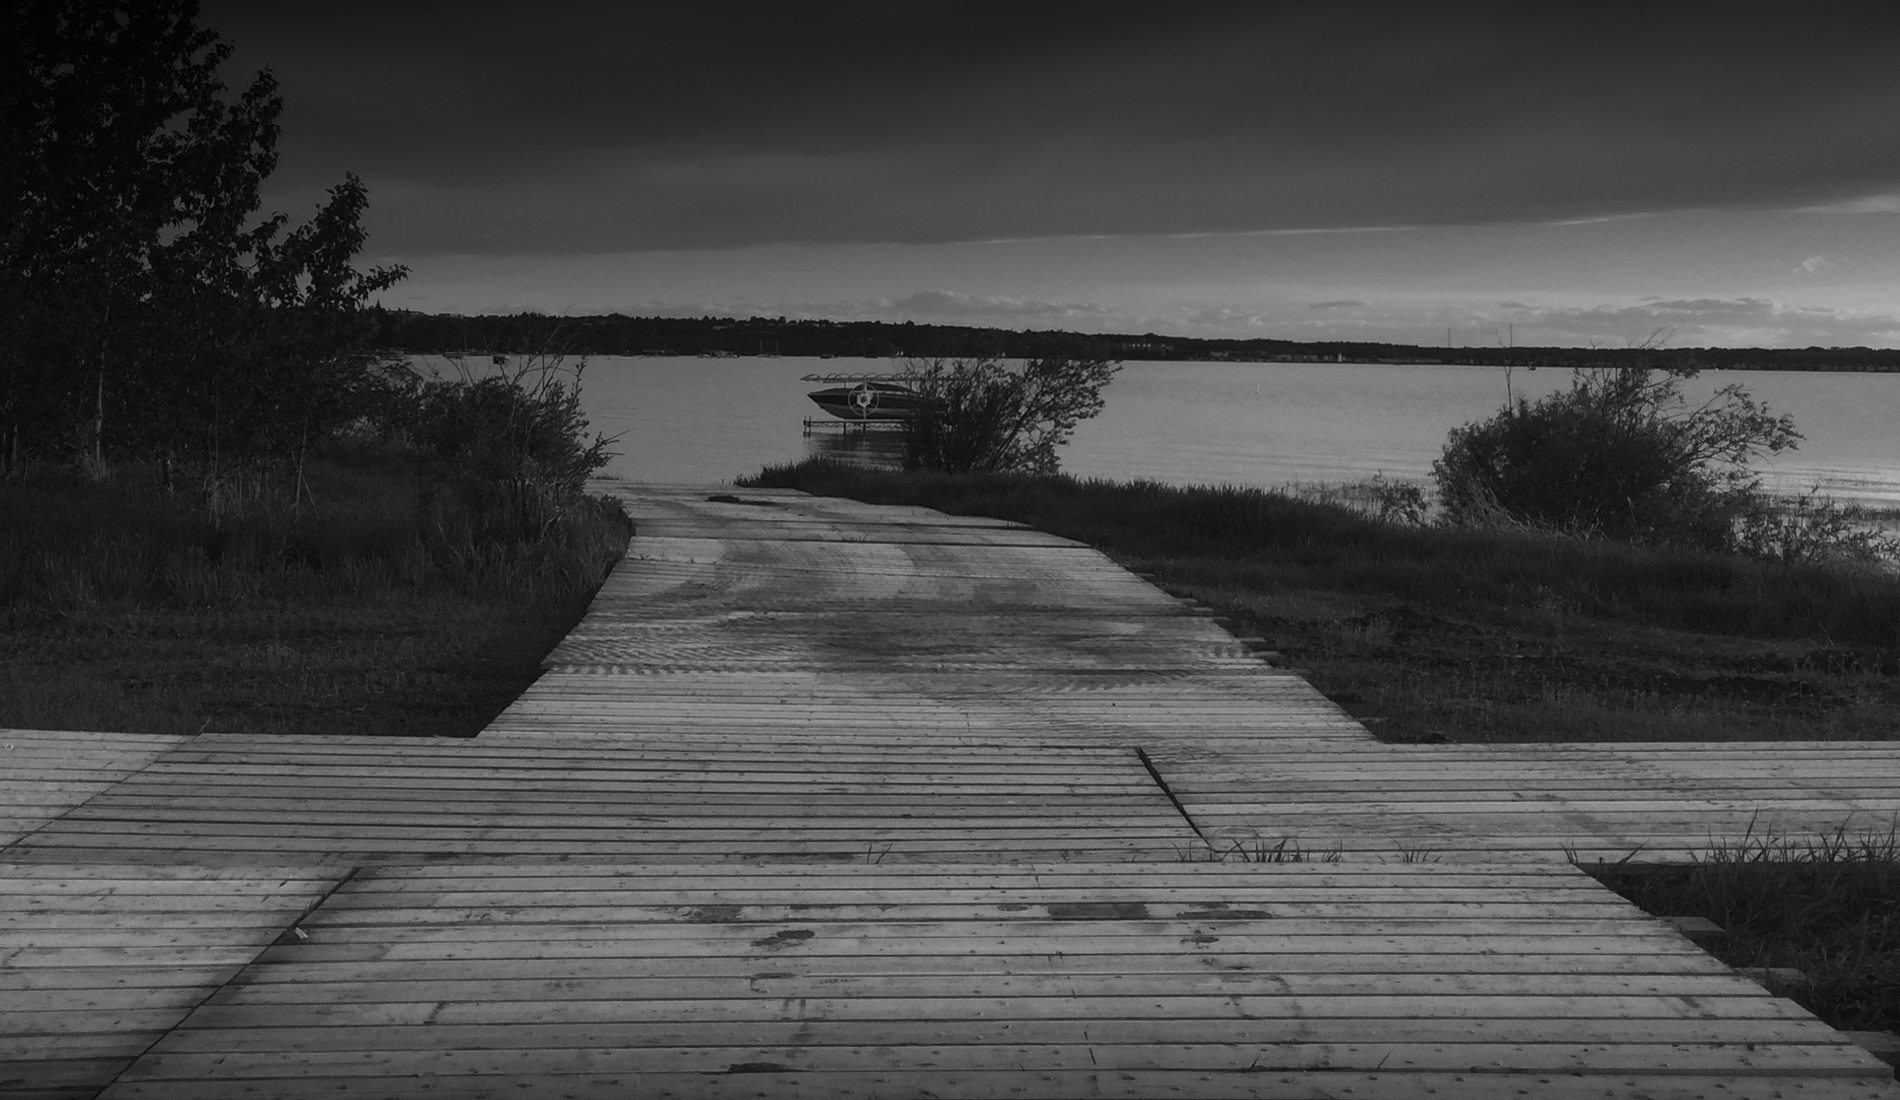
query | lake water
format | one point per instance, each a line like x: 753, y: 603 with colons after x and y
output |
x: 698, y: 421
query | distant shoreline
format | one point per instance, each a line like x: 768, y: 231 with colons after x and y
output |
x: 407, y: 332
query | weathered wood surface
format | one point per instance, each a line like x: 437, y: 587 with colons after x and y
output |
x: 722, y: 629
x: 45, y: 773
x: 1591, y: 802
x: 990, y: 981
x: 831, y: 800
x: 717, y: 624
x: 98, y: 962
x: 704, y: 798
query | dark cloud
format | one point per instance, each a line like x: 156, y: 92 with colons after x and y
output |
x: 597, y: 127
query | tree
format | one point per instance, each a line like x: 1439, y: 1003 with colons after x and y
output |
x: 135, y: 281
x: 989, y: 417
x: 306, y: 367
x: 1620, y: 455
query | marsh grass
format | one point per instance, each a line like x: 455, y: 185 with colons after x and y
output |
x: 238, y: 600
x: 1827, y: 906
x: 1429, y: 633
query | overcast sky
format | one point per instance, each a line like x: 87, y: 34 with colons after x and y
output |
x: 1331, y: 171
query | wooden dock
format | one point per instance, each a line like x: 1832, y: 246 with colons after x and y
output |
x: 827, y: 800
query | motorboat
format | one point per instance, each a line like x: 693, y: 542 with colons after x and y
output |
x: 864, y: 397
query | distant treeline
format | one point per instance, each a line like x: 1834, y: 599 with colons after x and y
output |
x: 618, y: 334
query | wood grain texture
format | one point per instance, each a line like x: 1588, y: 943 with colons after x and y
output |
x: 825, y: 799
x: 1183, y: 977
x: 45, y: 773
x: 97, y: 963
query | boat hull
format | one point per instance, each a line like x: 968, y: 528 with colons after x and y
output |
x: 872, y: 401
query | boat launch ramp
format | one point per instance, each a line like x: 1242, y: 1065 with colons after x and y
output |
x: 830, y: 800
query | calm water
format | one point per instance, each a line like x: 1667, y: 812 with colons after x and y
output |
x: 696, y: 420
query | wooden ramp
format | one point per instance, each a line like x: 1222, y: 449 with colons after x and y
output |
x: 784, y: 616
x: 710, y: 798
x: 45, y: 773
x: 1197, y: 980
x: 828, y: 800
x: 98, y: 962
x: 790, y: 615
x: 1653, y: 802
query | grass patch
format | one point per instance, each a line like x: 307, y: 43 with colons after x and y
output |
x: 385, y: 597
x: 1828, y: 907
x: 1432, y: 633
x: 1257, y: 850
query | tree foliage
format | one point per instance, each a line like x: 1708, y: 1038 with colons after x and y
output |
x: 144, y: 307
x: 991, y: 417
x: 1621, y: 455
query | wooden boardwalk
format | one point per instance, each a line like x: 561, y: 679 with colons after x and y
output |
x: 830, y: 800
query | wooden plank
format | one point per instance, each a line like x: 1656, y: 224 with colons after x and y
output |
x: 382, y: 986
x: 1036, y: 987
x: 1240, y: 1081
x: 45, y: 773
x: 99, y: 965
x: 1633, y: 961
x: 815, y: 800
x: 1207, y: 1054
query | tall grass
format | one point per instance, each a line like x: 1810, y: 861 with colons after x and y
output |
x: 1827, y: 906
x: 1273, y: 540
x: 359, y: 530
x: 389, y: 593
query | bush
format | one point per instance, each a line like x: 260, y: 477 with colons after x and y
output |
x: 1377, y: 497
x: 1815, y: 530
x: 989, y: 418
x: 510, y: 457
x: 1618, y: 455
x: 523, y: 426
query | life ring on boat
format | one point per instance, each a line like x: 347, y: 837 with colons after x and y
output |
x: 863, y: 398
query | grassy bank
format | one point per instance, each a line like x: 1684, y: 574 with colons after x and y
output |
x: 1821, y: 915
x: 389, y: 596
x: 1430, y: 633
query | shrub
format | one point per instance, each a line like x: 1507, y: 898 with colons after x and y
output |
x: 1812, y: 529
x: 511, y: 458
x: 991, y: 418
x: 524, y: 425
x: 1618, y: 455
x: 1378, y: 497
